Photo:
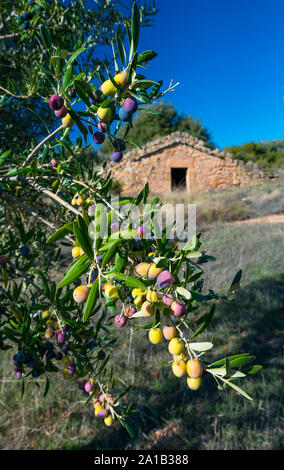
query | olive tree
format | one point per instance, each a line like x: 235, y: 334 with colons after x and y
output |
x: 124, y: 271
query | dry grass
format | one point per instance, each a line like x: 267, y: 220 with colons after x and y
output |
x: 232, y: 204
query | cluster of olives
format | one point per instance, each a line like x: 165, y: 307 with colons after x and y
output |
x: 24, y: 358
x: 51, y: 350
x: 77, y: 201
x: 146, y: 300
x: 53, y: 330
x: 181, y: 365
x: 105, y: 115
x: 57, y: 103
x: 101, y: 403
x: 101, y: 406
x: 143, y: 302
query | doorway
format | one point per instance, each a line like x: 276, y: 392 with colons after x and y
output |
x: 178, y: 179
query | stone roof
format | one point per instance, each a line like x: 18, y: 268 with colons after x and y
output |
x: 168, y: 141
x: 177, y: 138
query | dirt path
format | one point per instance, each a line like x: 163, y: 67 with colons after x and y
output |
x: 269, y: 219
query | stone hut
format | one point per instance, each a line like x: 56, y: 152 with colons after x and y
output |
x: 180, y: 161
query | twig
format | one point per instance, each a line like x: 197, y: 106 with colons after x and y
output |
x: 22, y: 97
x: 30, y: 156
x: 171, y: 88
x: 101, y: 197
x: 38, y: 187
x: 7, y: 36
x: 34, y: 214
x: 52, y: 196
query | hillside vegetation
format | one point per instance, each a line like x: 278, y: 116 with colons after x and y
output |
x: 268, y: 155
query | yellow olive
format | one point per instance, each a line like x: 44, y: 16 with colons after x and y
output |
x: 80, y: 294
x: 194, y: 384
x: 155, y: 335
x: 67, y: 121
x: 121, y: 79
x: 152, y: 296
x: 176, y: 346
x: 179, y: 368
x: 75, y: 251
x: 108, y: 89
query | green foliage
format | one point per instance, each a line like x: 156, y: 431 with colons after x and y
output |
x: 268, y: 155
x: 24, y: 57
x: 164, y: 120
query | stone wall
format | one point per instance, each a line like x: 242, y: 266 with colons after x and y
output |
x: 205, y: 168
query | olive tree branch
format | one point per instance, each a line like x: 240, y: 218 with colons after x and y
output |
x: 36, y: 215
x: 22, y: 97
x: 30, y: 156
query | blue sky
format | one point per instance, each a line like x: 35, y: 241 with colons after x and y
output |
x: 228, y: 57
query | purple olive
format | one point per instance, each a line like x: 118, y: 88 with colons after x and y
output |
x: 120, y: 320
x: 61, y: 337
x: 56, y: 102
x: 168, y: 300
x: 82, y: 384
x: 99, y: 137
x: 65, y: 348
x: 102, y: 413
x: 178, y: 308
x: 89, y: 386
x: 116, y: 156
x: 71, y: 369
x: 25, y: 251
x: 130, y: 105
x: 35, y: 373
x: 53, y: 163
x: 165, y: 279
x: 61, y: 113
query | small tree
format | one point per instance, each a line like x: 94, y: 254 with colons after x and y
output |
x: 164, y: 120
x: 118, y: 275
